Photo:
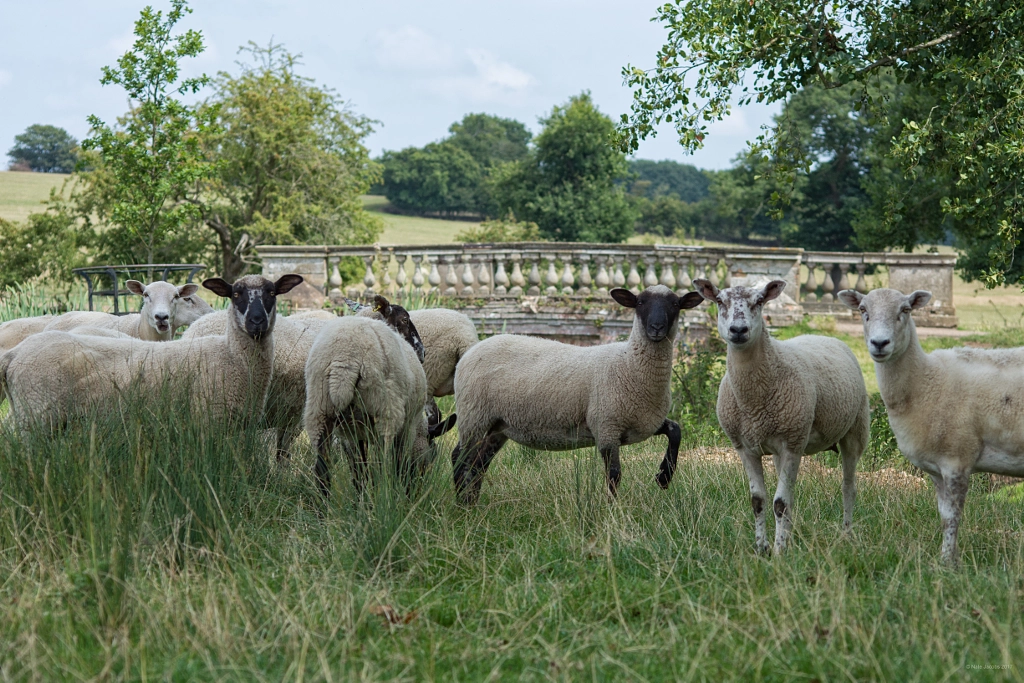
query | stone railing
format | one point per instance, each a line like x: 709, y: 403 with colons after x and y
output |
x: 559, y: 289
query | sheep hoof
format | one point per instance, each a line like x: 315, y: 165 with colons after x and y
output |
x: 664, y: 479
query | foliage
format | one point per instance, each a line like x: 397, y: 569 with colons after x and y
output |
x: 570, y: 184
x: 45, y: 149
x: 696, y: 377
x: 291, y: 162
x: 506, y: 229
x: 669, y: 178
x: 491, y: 140
x: 882, y: 449
x: 152, y: 158
x: 43, y: 249
x: 966, y: 57
x: 440, y: 178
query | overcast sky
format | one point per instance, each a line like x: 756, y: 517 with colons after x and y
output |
x: 415, y: 66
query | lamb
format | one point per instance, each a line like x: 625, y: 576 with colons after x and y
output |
x: 165, y: 307
x: 553, y: 396
x: 447, y: 335
x: 294, y: 338
x: 54, y: 376
x: 953, y: 411
x: 363, y: 377
x: 788, y: 399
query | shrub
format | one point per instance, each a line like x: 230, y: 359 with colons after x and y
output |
x: 695, y: 379
x: 506, y: 229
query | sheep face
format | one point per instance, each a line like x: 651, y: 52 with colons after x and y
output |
x: 657, y: 308
x: 739, y: 309
x: 396, y: 317
x: 163, y: 304
x: 253, y: 300
x: 886, y: 316
x: 424, y: 450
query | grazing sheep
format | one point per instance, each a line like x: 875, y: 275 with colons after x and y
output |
x: 788, y: 399
x: 553, y: 396
x: 52, y: 377
x: 953, y: 411
x: 13, y: 332
x: 294, y: 336
x: 362, y: 377
x: 447, y: 335
x: 165, y: 307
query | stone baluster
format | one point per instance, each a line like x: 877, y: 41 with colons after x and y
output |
x: 828, y: 285
x: 518, y: 281
x: 698, y: 268
x: 467, y: 276
x: 435, y: 277
x: 450, y: 278
x: 534, y: 277
x: 811, y: 286
x: 603, y: 280
x: 417, y: 272
x: 400, y: 279
x: 618, y: 279
x: 684, y: 275
x: 633, y: 279
x: 551, y: 277
x: 567, y: 277
x: 483, y: 276
x: 668, y: 278
x: 713, y: 271
x: 501, y: 280
x: 844, y: 281
x: 585, y: 280
x: 369, y: 279
x: 729, y: 268
x: 335, y: 280
x: 862, y: 283
x: 650, y: 276
x: 386, y: 267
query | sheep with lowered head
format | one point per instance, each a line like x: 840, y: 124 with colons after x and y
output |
x: 553, y: 396
x: 786, y: 398
x: 54, y: 376
x: 953, y: 411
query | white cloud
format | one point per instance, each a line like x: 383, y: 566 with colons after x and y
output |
x: 410, y: 48
x: 493, y: 73
x: 5, y: 77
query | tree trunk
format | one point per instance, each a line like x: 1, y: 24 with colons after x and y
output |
x: 233, y: 265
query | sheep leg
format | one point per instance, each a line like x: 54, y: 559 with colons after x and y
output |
x: 787, y: 467
x: 433, y: 412
x: 469, y: 464
x: 952, y: 492
x: 612, y: 467
x: 758, y: 495
x: 322, y: 469
x: 357, y: 461
x: 668, y: 465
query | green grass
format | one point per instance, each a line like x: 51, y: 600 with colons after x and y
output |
x: 413, y: 229
x: 24, y: 193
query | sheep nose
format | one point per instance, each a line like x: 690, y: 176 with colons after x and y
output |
x: 657, y: 328
x: 738, y: 330
x: 880, y: 344
x: 161, y: 317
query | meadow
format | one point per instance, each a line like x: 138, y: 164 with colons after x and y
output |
x: 145, y: 544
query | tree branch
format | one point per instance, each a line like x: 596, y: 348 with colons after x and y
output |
x: 885, y: 61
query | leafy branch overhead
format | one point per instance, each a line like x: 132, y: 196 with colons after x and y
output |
x: 966, y: 57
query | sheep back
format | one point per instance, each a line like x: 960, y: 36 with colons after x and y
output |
x: 446, y: 335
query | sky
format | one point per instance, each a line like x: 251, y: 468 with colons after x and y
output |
x: 414, y: 66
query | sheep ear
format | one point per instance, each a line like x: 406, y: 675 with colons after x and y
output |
x: 707, y: 290
x: 442, y: 427
x: 188, y: 290
x: 772, y: 290
x: 355, y: 306
x: 381, y: 305
x: 691, y: 300
x: 624, y: 297
x: 851, y: 297
x: 287, y: 283
x: 135, y: 287
x: 218, y: 286
x: 919, y: 299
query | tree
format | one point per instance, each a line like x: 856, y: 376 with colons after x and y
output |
x: 967, y: 56
x: 571, y: 184
x: 46, y: 246
x: 152, y: 158
x: 491, y: 140
x: 291, y: 162
x: 45, y: 149
x: 440, y: 178
x: 666, y: 177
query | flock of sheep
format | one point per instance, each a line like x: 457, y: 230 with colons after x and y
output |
x: 370, y: 379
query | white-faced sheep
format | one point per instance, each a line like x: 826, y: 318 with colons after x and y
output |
x: 13, y: 332
x: 953, y: 411
x: 165, y: 307
x: 365, y: 380
x: 294, y: 337
x: 52, y: 377
x: 553, y: 396
x: 786, y: 398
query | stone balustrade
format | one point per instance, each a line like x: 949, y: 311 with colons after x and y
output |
x: 541, y: 280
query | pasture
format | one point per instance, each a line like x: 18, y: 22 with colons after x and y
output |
x: 143, y: 544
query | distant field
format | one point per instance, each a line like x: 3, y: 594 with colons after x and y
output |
x: 413, y: 229
x: 24, y: 193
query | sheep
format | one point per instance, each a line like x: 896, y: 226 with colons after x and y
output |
x: 953, y: 411
x: 55, y: 376
x: 360, y: 375
x: 294, y: 338
x: 447, y: 335
x: 788, y: 399
x: 165, y: 307
x: 13, y: 332
x: 553, y: 396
